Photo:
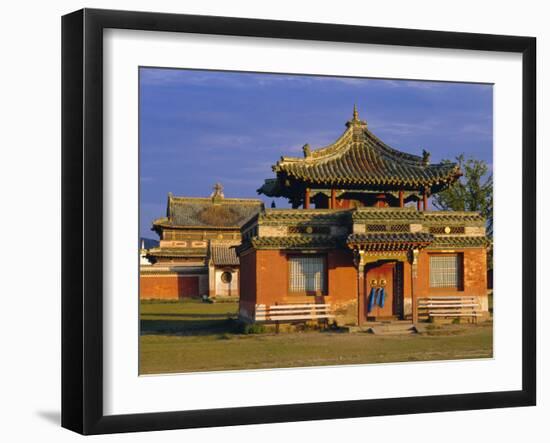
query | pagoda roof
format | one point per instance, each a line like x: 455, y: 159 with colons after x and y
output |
x: 214, y: 212
x: 360, y: 160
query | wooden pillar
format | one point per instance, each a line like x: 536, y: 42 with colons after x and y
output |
x: 332, y: 198
x: 306, y: 199
x: 425, y: 199
x: 360, y: 287
x: 401, y: 199
x: 414, y: 303
x: 418, y: 205
x: 414, y: 277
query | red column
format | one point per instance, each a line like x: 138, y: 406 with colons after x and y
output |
x: 306, y: 199
x: 360, y: 294
x: 418, y: 205
x: 414, y: 281
x: 332, y: 198
x: 425, y: 199
x: 401, y: 199
x: 359, y: 263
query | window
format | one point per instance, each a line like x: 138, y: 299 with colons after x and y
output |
x: 446, y: 271
x: 307, y: 274
x: 226, y: 277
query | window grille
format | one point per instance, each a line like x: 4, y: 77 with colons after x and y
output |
x: 376, y: 228
x: 309, y: 230
x: 444, y: 229
x: 307, y: 274
x: 400, y: 228
x: 445, y: 271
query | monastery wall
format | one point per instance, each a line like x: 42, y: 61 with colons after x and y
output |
x: 171, y: 286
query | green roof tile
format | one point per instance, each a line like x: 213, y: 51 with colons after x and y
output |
x: 460, y: 242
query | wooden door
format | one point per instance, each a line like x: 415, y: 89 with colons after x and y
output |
x: 188, y: 286
x: 380, y: 276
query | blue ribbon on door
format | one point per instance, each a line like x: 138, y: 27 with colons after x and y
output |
x: 372, y: 300
x: 377, y: 296
x: 381, y: 297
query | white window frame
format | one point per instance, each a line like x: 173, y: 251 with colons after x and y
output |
x: 313, y: 280
x: 446, y: 271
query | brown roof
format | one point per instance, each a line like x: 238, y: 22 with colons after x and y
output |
x: 224, y: 255
x: 210, y: 212
x: 358, y: 159
x: 177, y: 252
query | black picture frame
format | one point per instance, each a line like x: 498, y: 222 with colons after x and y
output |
x: 82, y: 215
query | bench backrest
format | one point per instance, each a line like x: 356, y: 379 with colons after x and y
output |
x: 448, y: 306
x: 441, y: 301
x: 304, y: 311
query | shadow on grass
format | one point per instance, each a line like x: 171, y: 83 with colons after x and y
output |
x: 189, y: 327
x: 223, y: 316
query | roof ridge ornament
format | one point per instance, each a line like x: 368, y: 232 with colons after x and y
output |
x: 355, y: 121
x: 425, y: 157
x: 218, y: 192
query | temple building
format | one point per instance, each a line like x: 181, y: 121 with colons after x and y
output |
x: 360, y: 235
x: 196, y: 255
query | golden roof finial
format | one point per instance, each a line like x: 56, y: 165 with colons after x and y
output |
x: 355, y: 122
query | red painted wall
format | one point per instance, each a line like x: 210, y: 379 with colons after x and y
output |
x: 342, y: 278
x: 272, y: 278
x: 168, y: 287
x: 475, y: 274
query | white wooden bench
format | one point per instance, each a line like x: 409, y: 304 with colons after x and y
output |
x: 293, y: 312
x: 448, y: 307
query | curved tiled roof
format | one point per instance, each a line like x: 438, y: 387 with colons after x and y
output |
x: 360, y: 159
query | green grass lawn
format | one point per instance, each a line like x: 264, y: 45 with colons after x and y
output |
x: 193, y: 336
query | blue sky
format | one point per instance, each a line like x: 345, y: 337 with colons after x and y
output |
x: 202, y: 127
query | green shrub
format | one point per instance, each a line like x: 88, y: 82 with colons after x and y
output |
x: 250, y: 328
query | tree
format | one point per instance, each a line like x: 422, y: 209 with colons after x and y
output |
x: 472, y: 192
